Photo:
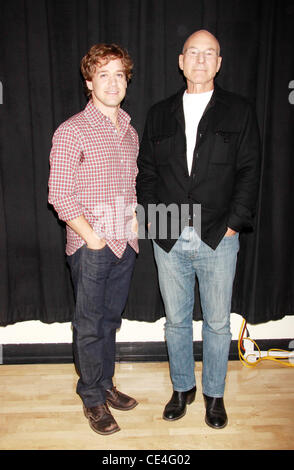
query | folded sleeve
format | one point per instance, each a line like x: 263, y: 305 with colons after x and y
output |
x: 147, y: 176
x: 65, y: 157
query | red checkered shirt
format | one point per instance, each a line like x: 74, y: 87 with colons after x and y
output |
x: 93, y: 171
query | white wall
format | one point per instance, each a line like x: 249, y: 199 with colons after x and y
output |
x: 133, y: 331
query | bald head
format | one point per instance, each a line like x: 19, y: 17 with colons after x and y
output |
x: 200, y: 61
x: 202, y: 37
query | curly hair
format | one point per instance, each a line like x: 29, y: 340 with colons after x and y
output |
x: 104, y: 53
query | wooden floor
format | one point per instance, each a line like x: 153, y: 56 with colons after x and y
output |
x: 39, y: 409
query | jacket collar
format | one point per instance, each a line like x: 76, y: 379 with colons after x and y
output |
x: 218, y: 95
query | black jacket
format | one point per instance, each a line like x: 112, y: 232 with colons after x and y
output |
x: 225, y: 173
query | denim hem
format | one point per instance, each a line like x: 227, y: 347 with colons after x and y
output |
x: 186, y: 390
x: 91, y: 405
x: 213, y: 395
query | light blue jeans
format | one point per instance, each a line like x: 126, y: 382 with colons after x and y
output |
x: 215, y: 271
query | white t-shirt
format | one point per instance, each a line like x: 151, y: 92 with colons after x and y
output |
x: 194, y: 105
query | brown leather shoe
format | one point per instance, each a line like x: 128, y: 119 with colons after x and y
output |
x: 101, y: 419
x: 119, y: 400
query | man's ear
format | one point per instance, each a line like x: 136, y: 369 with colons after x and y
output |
x: 89, y: 85
x: 219, y: 62
x: 181, y: 59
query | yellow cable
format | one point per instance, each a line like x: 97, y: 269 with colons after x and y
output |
x: 249, y: 364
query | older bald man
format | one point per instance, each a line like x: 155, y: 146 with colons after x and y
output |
x: 200, y: 148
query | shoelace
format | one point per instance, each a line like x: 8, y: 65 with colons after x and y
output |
x: 97, y: 411
x: 113, y: 392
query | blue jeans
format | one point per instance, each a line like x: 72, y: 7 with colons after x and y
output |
x: 215, y: 270
x: 101, y: 284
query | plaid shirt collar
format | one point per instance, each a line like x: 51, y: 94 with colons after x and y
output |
x: 96, y: 118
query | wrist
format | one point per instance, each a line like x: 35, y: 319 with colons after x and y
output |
x: 93, y: 239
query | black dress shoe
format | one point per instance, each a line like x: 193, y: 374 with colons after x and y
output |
x: 176, y: 407
x: 216, y: 416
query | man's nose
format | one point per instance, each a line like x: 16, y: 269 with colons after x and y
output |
x: 200, y: 57
x: 113, y: 80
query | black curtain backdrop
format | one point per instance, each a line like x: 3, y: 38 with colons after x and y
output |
x: 41, y: 44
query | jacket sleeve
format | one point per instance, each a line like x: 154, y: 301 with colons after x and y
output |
x: 64, y: 161
x: 243, y: 202
x: 146, y: 184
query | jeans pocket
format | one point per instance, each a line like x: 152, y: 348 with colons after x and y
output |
x: 95, y: 257
x: 231, y: 236
x: 95, y: 249
x: 231, y: 242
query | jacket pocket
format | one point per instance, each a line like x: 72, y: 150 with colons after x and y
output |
x: 224, y: 147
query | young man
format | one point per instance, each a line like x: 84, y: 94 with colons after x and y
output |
x: 92, y: 188
x: 200, y: 147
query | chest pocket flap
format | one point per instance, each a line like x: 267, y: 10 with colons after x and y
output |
x: 224, y: 146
